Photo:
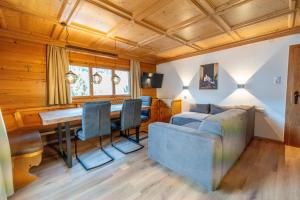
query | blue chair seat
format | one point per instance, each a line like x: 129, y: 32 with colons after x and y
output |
x: 116, y: 124
x: 144, y: 117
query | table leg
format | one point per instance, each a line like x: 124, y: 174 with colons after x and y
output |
x: 137, y: 132
x: 59, y: 138
x: 69, y: 145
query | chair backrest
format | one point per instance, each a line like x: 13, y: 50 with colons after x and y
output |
x: 96, y: 119
x: 146, y: 101
x: 131, y: 114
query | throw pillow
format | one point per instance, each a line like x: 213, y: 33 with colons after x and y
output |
x: 215, y: 109
x: 200, y: 108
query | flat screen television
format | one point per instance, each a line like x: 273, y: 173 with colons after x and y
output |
x: 151, y: 80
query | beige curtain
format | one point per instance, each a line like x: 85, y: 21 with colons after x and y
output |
x: 135, y: 76
x: 57, y: 66
x: 6, y: 178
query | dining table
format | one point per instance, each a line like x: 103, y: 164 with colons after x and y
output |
x: 64, y: 117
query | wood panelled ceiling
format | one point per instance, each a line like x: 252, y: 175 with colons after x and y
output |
x: 152, y: 30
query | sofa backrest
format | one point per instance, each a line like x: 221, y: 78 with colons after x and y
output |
x: 224, y: 122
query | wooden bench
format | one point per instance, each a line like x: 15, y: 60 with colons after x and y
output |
x: 26, y: 151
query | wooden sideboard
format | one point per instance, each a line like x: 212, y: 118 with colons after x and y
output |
x: 167, y: 108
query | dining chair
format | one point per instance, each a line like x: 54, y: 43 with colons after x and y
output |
x: 95, y: 123
x: 146, y: 114
x: 130, y: 118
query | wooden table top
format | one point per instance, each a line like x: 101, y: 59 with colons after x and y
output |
x: 72, y: 114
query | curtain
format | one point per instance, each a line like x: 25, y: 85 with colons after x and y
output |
x: 57, y: 67
x: 135, y: 76
x: 6, y: 178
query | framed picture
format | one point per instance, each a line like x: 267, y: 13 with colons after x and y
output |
x: 209, y: 76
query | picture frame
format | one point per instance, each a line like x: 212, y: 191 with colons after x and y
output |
x: 209, y: 76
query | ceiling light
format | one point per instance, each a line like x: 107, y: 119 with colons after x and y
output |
x: 97, y: 78
x: 116, y: 79
x: 71, y: 77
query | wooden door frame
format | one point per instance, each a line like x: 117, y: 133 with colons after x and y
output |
x: 289, y: 89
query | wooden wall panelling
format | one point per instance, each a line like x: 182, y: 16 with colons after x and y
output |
x: 23, y: 81
x: 22, y: 74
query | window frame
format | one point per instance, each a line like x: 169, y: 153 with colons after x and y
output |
x: 90, y: 67
x: 129, y: 82
x: 90, y: 94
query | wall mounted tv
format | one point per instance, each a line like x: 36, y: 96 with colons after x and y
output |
x: 151, y: 80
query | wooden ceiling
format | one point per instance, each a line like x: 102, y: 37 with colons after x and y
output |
x: 154, y: 30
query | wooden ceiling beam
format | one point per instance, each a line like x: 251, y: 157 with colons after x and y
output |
x: 129, y: 42
x: 3, y: 23
x: 164, y: 34
x: 292, y: 16
x: 206, y: 8
x: 106, y: 5
x: 186, y: 23
x: 61, y: 10
x: 224, y: 8
x: 68, y: 15
x: 100, y: 34
x: 151, y: 39
x: 269, y: 16
x: 196, y: 39
x: 151, y: 27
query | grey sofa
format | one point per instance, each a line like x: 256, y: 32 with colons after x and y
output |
x: 201, y: 150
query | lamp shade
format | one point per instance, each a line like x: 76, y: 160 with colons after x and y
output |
x: 116, y: 79
x: 71, y: 77
x: 97, y: 78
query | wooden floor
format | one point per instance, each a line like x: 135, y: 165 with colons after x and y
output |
x: 266, y: 170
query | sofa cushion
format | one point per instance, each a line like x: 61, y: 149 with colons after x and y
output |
x: 215, y: 109
x: 194, y: 125
x: 200, y: 108
x: 187, y: 117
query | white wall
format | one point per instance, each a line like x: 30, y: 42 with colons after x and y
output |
x: 255, y: 64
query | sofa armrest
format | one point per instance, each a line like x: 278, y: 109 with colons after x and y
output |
x: 231, y: 125
x: 190, y: 153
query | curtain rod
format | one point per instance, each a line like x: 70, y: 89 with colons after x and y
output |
x: 91, y: 52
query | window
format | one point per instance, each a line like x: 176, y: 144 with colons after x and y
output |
x: 84, y: 85
x: 106, y: 86
x: 123, y: 87
x: 81, y: 87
